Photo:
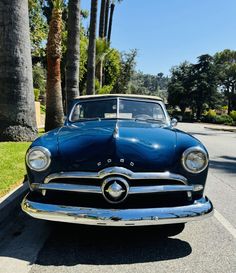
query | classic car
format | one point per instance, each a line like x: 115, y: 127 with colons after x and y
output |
x: 117, y: 161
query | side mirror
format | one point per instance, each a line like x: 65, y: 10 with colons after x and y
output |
x: 174, y: 122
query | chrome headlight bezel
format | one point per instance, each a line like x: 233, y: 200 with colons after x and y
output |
x: 195, y: 149
x: 46, y: 153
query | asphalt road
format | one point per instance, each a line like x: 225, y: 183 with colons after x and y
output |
x: 29, y: 245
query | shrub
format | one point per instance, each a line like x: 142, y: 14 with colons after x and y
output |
x: 209, y: 116
x: 187, y: 116
x: 223, y: 119
x: 233, y: 115
x: 36, y: 94
x: 42, y: 109
x: 106, y: 89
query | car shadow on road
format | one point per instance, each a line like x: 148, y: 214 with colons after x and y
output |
x: 228, y: 166
x: 200, y: 134
x: 70, y: 245
x: 228, y: 157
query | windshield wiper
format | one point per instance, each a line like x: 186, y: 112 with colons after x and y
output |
x: 150, y: 120
x: 87, y: 119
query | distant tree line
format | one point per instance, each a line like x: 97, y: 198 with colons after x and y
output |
x: 147, y: 84
x: 208, y: 84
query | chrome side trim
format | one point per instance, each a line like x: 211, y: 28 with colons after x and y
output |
x: 98, y: 190
x: 200, y: 209
x: 118, y: 171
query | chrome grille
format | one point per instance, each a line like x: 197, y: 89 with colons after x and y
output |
x: 140, y: 183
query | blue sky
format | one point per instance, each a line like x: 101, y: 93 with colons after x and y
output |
x: 168, y: 32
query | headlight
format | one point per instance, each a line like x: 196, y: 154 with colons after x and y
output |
x: 38, y: 158
x: 195, y: 160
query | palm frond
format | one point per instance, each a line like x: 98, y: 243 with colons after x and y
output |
x: 57, y: 4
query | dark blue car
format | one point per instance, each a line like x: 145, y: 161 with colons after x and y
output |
x: 117, y: 161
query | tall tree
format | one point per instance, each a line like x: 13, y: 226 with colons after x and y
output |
x: 54, y: 107
x: 110, y: 21
x: 17, y: 112
x: 92, y: 49
x: 128, y: 63
x: 102, y: 19
x: 113, y: 3
x: 102, y: 50
x: 106, y: 17
x: 73, y: 52
x: 180, y: 86
x: 226, y: 66
x: 205, y: 83
x: 99, y: 68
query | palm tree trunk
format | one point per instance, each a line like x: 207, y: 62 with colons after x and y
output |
x: 73, y: 52
x: 54, y: 108
x: 92, y: 49
x: 17, y: 111
x: 110, y: 21
x: 101, y: 35
x: 99, y: 73
x: 106, y: 17
x: 102, y: 19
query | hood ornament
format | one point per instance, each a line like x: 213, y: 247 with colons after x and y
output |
x: 116, y: 131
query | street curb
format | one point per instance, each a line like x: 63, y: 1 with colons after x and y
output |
x: 11, y: 202
x: 221, y: 129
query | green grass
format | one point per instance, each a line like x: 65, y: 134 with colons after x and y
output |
x: 12, y: 165
x: 42, y: 109
x: 41, y: 131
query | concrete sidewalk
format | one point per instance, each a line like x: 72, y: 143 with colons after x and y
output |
x: 219, y: 127
x: 11, y: 202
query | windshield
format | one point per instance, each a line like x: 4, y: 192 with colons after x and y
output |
x: 127, y: 109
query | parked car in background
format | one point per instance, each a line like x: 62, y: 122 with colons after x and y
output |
x: 117, y: 161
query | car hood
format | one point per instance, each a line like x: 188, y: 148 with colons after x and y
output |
x: 137, y: 145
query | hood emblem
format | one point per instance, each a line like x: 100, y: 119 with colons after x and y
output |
x: 115, y: 189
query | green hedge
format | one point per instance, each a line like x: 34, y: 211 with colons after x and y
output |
x: 233, y: 115
x: 223, y: 119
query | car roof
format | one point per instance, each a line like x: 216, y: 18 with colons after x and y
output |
x: 120, y: 95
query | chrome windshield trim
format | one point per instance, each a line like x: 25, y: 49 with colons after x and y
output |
x: 162, y: 105
x: 98, y: 190
x: 118, y: 171
x: 198, y: 210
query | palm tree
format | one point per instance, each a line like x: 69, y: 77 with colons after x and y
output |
x: 102, y: 50
x: 106, y: 17
x: 73, y: 51
x: 17, y: 111
x: 54, y: 108
x: 102, y: 19
x: 101, y: 41
x: 111, y: 18
x: 92, y: 49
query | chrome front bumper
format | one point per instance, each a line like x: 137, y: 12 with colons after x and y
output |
x: 200, y: 209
